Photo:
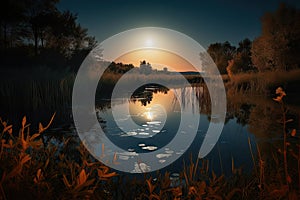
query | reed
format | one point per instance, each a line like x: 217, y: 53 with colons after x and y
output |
x: 261, y: 82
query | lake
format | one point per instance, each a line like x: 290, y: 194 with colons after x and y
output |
x: 148, y: 123
x: 157, y: 113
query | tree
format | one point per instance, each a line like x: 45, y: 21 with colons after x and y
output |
x: 40, y: 14
x: 221, y: 53
x: 119, y: 68
x: 241, y: 61
x: 54, y: 29
x: 11, y: 17
x: 37, y: 27
x: 66, y: 35
x: 278, y: 47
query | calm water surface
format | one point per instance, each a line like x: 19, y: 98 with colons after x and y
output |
x: 157, y: 112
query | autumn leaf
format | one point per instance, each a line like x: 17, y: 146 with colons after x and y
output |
x: 50, y: 122
x: 66, y: 182
x: 25, y: 144
x: 25, y: 159
x: 3, y: 143
x: 103, y: 173
x: 24, y: 121
x: 278, y: 99
x: 34, y: 136
x: 7, y: 128
x: 82, y: 177
x: 192, y: 190
x: 150, y: 185
x: 293, y: 133
x: 39, y: 176
x: 41, y: 128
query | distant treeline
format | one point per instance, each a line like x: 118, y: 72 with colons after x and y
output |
x: 119, y: 68
x: 36, y: 32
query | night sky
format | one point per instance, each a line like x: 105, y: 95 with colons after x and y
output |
x: 205, y: 21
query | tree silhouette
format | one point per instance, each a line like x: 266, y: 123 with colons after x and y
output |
x: 65, y: 34
x: 11, y: 15
x: 278, y: 47
x: 39, y: 14
x: 221, y: 53
x: 241, y: 61
x: 37, y: 32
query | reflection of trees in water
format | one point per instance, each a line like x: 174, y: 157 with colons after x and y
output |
x: 205, y: 104
x: 203, y: 98
x: 145, y: 93
x: 263, y: 121
x: 144, y: 97
x: 240, y: 111
x: 260, y: 114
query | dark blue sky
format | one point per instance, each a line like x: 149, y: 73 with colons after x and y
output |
x: 205, y: 21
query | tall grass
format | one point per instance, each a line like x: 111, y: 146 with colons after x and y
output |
x: 37, y: 92
x: 40, y: 88
x: 261, y: 82
x: 26, y: 91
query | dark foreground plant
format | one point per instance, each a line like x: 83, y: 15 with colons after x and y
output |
x: 31, y: 170
x: 287, y: 146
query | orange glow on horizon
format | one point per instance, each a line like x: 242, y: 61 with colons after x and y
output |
x: 158, y: 59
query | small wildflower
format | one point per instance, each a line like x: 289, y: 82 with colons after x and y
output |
x: 281, y: 93
x: 278, y: 98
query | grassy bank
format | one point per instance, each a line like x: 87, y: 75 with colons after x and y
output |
x: 26, y: 91
x: 39, y: 91
x: 263, y: 83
